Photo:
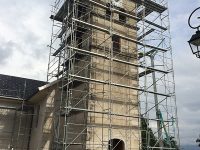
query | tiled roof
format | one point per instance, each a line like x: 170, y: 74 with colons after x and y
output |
x: 17, y: 87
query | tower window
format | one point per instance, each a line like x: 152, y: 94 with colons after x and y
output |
x: 116, y: 144
x: 108, y: 12
x: 116, y: 43
x: 79, y: 42
x: 122, y: 17
x: 81, y: 10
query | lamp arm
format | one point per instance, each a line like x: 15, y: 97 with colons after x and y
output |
x: 190, y: 19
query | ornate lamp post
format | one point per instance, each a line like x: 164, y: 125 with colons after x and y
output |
x: 194, y: 41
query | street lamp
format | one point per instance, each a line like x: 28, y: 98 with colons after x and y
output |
x: 194, y: 42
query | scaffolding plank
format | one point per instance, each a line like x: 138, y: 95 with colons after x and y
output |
x: 141, y: 54
x: 145, y: 34
x: 151, y: 5
x: 156, y: 25
x: 144, y: 73
x: 77, y: 57
x: 58, y: 50
x: 56, y: 18
x: 62, y: 12
x: 61, y: 32
x: 60, y: 72
x: 144, y: 13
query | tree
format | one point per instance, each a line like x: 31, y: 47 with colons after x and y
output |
x: 198, y: 141
x: 147, y: 133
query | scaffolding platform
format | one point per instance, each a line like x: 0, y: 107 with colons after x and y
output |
x: 151, y: 5
x: 146, y: 11
x: 59, y: 49
x: 145, y: 34
x: 144, y: 73
x: 61, y: 14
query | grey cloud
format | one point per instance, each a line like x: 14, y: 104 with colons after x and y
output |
x: 187, y: 72
x: 34, y: 47
x: 28, y: 25
x: 6, y: 51
x: 29, y: 20
x: 190, y: 147
x: 194, y: 106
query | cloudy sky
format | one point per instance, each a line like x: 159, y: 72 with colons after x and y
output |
x: 187, y: 70
x: 25, y: 30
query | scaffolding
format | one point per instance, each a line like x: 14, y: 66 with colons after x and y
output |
x: 18, y: 116
x: 114, y: 63
x: 15, y: 120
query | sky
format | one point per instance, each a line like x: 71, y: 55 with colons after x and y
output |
x: 187, y: 71
x: 25, y: 30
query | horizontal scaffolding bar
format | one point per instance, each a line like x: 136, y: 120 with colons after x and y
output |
x: 121, y: 36
x: 6, y: 107
x: 151, y: 5
x: 116, y: 84
x: 116, y: 21
x: 115, y: 10
x: 145, y: 34
x: 146, y: 72
x: 113, y: 126
x: 60, y: 19
x: 128, y: 15
x: 115, y: 59
x: 145, y: 12
x: 155, y: 25
x: 109, y: 113
x: 59, y: 49
x: 11, y: 98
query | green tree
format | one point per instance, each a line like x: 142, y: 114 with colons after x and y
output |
x: 149, y: 139
x: 198, y: 141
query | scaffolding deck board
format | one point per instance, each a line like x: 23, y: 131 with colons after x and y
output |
x: 151, y: 5
x: 144, y: 73
x: 59, y: 50
x: 145, y: 34
x: 60, y: 16
x: 144, y: 12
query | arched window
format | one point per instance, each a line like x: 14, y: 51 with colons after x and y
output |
x: 116, y: 144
